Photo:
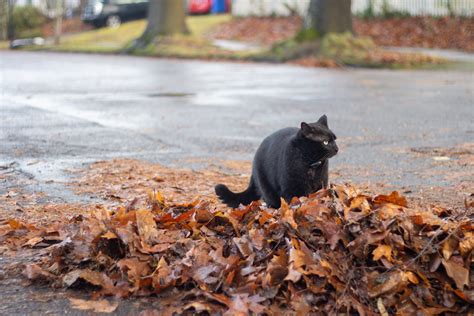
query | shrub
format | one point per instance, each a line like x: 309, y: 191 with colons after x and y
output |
x: 362, y: 52
x: 27, y: 21
x: 289, y: 50
x: 307, y: 35
x: 386, y: 12
x: 369, y: 11
x: 346, y: 48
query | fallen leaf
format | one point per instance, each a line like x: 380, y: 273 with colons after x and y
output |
x: 394, y: 198
x: 14, y: 224
x: 277, y: 270
x: 448, y: 247
x: 100, y: 306
x: 34, y: 273
x: 146, y: 226
x: 203, y: 216
x: 134, y: 268
x: 382, y: 251
x: 156, y: 199
x: 90, y: 277
x: 441, y: 158
x: 381, y: 307
x: 287, y: 214
x: 264, y: 217
x: 238, y: 306
x: 358, y: 208
x: 466, y: 245
x: 387, y: 283
x: 457, y: 272
x: 33, y: 241
x: 244, y: 245
x: 163, y: 276
x: 389, y: 211
x: 412, y: 277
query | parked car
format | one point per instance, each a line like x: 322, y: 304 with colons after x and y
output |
x: 113, y: 12
x: 199, y: 6
x: 208, y: 6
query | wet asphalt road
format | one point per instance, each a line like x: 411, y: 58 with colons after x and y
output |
x: 59, y: 111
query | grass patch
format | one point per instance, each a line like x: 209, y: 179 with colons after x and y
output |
x: 114, y: 40
x: 289, y: 50
x: 307, y: 35
x: 190, y: 47
x: 194, y: 45
x: 349, y: 50
x: 343, y: 50
x: 4, y: 44
x: 102, y: 40
x: 346, y: 48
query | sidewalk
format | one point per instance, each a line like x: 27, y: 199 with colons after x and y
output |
x: 450, y: 54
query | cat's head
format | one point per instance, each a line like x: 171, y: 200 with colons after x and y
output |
x: 320, y: 136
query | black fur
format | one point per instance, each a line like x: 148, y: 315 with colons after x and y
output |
x: 291, y: 162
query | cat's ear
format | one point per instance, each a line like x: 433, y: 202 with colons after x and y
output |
x: 323, y: 120
x: 305, y: 129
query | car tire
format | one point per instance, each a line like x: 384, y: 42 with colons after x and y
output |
x: 113, y: 21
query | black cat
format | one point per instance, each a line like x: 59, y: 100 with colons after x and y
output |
x: 290, y: 162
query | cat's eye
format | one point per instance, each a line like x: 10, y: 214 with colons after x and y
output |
x: 325, y: 143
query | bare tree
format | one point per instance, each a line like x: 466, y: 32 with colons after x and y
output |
x: 165, y: 17
x: 329, y: 16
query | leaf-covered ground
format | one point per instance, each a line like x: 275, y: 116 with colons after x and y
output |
x: 428, y: 32
x: 339, y: 251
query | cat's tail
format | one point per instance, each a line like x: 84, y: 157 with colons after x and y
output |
x: 234, y: 199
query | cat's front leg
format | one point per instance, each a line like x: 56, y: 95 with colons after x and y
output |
x: 325, y: 174
x: 293, y: 189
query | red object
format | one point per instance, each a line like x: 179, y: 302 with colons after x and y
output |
x: 228, y: 5
x: 200, y: 6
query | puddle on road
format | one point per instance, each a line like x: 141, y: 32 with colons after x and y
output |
x: 171, y: 95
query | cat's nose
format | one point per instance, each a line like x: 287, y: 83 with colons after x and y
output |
x: 336, y: 149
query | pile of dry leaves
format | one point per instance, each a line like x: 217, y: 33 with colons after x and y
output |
x: 336, y: 251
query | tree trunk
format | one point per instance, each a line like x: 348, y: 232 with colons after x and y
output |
x: 329, y: 16
x: 165, y: 17
x: 10, y: 26
x: 3, y: 20
x: 58, y: 22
